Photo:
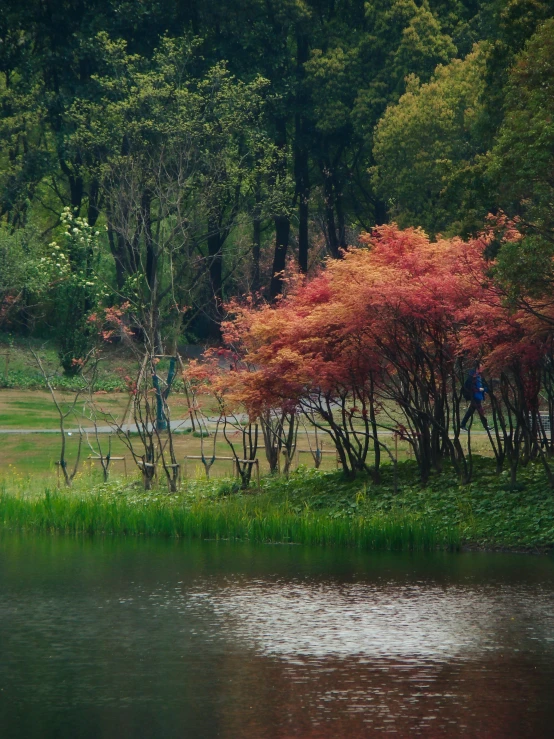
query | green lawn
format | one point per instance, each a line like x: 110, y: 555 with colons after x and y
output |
x: 34, y: 409
x: 36, y: 454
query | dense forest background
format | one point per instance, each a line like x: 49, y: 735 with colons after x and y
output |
x: 160, y: 158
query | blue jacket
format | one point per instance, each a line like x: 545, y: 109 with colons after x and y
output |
x: 477, y: 385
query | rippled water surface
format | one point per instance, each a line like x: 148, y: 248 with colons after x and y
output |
x: 115, y: 638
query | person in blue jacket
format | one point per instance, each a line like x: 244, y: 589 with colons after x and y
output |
x: 476, y: 389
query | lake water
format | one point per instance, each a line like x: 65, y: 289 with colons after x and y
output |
x: 129, y: 638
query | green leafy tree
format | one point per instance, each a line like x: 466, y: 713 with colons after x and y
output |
x: 522, y: 159
x: 521, y: 166
x: 428, y: 150
x: 359, y: 68
x: 48, y: 61
x: 177, y: 153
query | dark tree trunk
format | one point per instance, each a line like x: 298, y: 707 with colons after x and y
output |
x: 332, y: 238
x: 303, y: 195
x: 117, y: 248
x: 301, y: 160
x: 281, y: 220
x: 256, y: 252
x: 151, y: 255
x: 303, y: 239
x: 93, y: 207
x: 76, y: 185
x: 380, y: 213
x: 256, y: 239
x: 215, y: 271
x: 282, y: 231
x: 76, y: 191
x: 341, y: 235
x: 215, y: 254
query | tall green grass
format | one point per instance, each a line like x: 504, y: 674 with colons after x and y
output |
x: 230, y: 519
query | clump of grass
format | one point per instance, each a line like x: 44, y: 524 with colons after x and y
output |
x: 236, y: 519
x: 229, y: 487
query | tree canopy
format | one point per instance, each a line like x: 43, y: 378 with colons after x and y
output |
x: 218, y: 147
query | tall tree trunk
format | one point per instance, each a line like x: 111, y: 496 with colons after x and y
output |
x: 332, y: 238
x: 303, y: 214
x: 151, y: 253
x: 93, y: 198
x: 117, y: 248
x: 282, y: 232
x: 380, y: 212
x: 337, y: 191
x: 151, y: 273
x: 256, y: 252
x: 281, y: 220
x: 215, y: 269
x: 76, y: 185
x: 216, y: 261
x: 256, y: 240
x: 301, y: 161
x: 301, y: 173
x: 77, y: 189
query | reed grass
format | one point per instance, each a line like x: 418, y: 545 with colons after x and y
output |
x: 312, y: 507
x: 229, y: 519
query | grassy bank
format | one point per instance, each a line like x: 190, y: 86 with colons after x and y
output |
x: 235, y: 520
x: 311, y: 507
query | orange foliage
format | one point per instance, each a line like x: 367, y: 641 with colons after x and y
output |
x: 395, y: 319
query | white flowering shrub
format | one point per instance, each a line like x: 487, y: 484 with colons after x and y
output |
x: 72, y: 269
x: 74, y: 261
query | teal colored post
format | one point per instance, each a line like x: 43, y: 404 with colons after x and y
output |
x: 162, y: 395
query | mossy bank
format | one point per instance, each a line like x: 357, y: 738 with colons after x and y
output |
x: 310, y: 507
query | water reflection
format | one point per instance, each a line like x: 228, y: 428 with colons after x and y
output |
x: 412, y: 622
x: 148, y: 640
x: 409, y: 660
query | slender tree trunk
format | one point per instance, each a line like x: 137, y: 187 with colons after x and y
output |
x: 93, y: 200
x: 380, y: 213
x: 341, y: 236
x: 332, y: 238
x: 117, y: 249
x: 76, y: 189
x: 282, y: 222
x: 151, y: 274
x: 118, y: 254
x: 256, y: 240
x: 303, y: 194
x: 76, y: 186
x: 375, y: 432
x: 282, y: 232
x: 151, y: 256
x: 215, y: 254
x: 256, y: 253
x: 301, y: 160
